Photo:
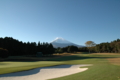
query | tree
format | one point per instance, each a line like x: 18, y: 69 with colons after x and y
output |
x: 89, y: 44
x: 50, y: 49
x: 60, y: 50
x: 3, y: 53
x: 72, y: 49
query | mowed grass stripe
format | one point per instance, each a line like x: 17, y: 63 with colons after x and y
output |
x: 14, y: 67
x: 18, y: 64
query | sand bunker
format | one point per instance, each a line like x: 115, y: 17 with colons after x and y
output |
x: 44, y: 73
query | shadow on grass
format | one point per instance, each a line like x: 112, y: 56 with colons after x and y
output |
x: 75, y: 57
x: 85, y: 53
x: 27, y: 59
x: 62, y: 58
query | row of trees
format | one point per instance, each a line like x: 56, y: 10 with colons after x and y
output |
x: 106, y: 47
x: 16, y: 47
x: 69, y: 49
x: 112, y: 47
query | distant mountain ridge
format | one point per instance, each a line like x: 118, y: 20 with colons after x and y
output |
x: 60, y: 42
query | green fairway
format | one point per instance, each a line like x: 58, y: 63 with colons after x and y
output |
x: 8, y: 67
x: 102, y: 68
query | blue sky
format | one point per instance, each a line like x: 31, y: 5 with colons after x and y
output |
x: 74, y: 20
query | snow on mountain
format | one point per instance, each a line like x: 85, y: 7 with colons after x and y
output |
x: 60, y: 42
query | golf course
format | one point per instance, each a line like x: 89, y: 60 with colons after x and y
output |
x: 105, y: 66
x: 60, y: 40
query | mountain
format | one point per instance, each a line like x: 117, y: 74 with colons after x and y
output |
x: 60, y: 42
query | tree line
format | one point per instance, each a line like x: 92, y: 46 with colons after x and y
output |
x: 68, y: 49
x: 105, y: 47
x: 91, y: 47
x: 18, y: 48
x: 14, y: 47
x: 109, y: 47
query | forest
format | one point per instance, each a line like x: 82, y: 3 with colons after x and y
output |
x: 106, y: 47
x: 14, y: 47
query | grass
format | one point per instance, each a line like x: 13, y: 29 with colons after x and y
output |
x: 96, y: 72
x: 9, y: 67
x: 102, y: 68
x: 115, y: 61
x: 105, y: 66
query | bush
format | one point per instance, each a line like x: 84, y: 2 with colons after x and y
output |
x: 3, y: 53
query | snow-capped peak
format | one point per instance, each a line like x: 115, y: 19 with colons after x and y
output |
x: 60, y: 40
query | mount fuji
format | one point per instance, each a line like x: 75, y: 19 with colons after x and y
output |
x: 60, y: 42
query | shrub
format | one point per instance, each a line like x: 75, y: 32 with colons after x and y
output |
x: 3, y: 53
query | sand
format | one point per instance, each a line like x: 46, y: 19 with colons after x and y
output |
x: 44, y: 73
